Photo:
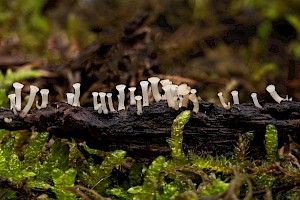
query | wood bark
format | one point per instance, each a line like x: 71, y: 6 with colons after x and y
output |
x: 213, y: 130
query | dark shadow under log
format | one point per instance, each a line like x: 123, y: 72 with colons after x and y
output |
x: 213, y: 131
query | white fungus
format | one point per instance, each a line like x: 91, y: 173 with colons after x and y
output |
x: 273, y: 93
x: 110, y: 102
x: 102, y: 99
x: 18, y: 90
x: 132, y: 99
x: 100, y: 109
x: 174, y: 89
x: 44, y: 93
x: 121, y: 98
x: 7, y: 120
x: 12, y: 99
x: 76, y: 87
x: 255, y: 100
x: 144, y: 86
x: 226, y: 106
x: 235, y: 97
x: 95, y: 100
x: 165, y: 82
x: 168, y: 94
x: 33, y: 91
x: 184, y: 91
x: 70, y: 98
x: 154, y: 85
x: 193, y: 97
x: 138, y: 99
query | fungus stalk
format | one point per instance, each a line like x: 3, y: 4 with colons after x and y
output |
x: 44, y: 93
x: 170, y: 99
x: 76, y: 101
x: 154, y: 85
x: 33, y: 91
x: 110, y: 103
x: 12, y: 99
x: 273, y: 93
x: 255, y: 100
x: 226, y: 106
x: 70, y: 98
x: 95, y: 100
x: 121, y: 91
x: 193, y: 97
x: 18, y: 90
x: 132, y: 99
x: 144, y: 86
x: 235, y: 97
x: 139, y: 105
x: 102, y: 99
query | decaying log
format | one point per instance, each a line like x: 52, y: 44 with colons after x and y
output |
x: 214, y: 130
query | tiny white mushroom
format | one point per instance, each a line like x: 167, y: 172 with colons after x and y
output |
x: 95, y: 100
x: 121, y: 98
x: 184, y: 91
x: 76, y: 87
x: 33, y: 91
x: 110, y: 103
x: 154, y: 85
x: 255, y: 100
x: 165, y: 82
x: 273, y: 93
x: 102, y: 99
x: 226, y: 106
x: 139, y: 108
x: 144, y: 86
x: 132, y: 99
x: 70, y: 98
x: 170, y: 99
x: 18, y: 90
x: 7, y: 120
x: 44, y: 93
x: 12, y: 99
x: 193, y: 97
x: 235, y: 97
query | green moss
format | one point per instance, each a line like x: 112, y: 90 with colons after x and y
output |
x: 271, y: 142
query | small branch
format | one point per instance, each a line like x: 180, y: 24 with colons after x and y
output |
x: 213, y: 130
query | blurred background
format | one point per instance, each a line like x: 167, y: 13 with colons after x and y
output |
x: 212, y: 45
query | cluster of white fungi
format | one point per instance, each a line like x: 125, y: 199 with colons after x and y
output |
x: 177, y: 96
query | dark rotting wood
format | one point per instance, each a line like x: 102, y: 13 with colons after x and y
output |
x: 213, y: 131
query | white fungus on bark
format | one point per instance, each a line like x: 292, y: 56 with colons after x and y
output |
x: 154, y: 85
x: 168, y: 94
x: 95, y: 100
x: 70, y: 98
x: 131, y: 94
x: 139, y: 109
x: 193, y: 97
x: 7, y: 120
x: 255, y: 100
x: 144, y: 86
x: 121, y: 98
x: 12, y: 100
x: 18, y: 90
x: 273, y: 93
x: 33, y: 91
x: 44, y: 93
x: 235, y: 97
x: 226, y: 106
x: 76, y: 101
x: 102, y: 99
x: 110, y: 103
x: 183, y: 90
